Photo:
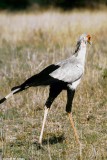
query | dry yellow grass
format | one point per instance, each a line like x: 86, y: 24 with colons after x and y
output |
x: 28, y: 43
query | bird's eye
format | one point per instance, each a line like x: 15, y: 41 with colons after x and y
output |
x: 89, y: 37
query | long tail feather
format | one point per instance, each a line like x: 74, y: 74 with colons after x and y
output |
x: 9, y: 95
x: 16, y: 87
x: 2, y: 100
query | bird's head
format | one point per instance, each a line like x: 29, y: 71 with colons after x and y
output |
x: 84, y: 38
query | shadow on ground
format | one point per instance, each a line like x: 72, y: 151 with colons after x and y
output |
x: 52, y: 140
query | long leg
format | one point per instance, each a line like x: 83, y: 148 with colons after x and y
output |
x: 70, y: 96
x: 54, y: 92
x: 74, y: 129
x: 43, y: 125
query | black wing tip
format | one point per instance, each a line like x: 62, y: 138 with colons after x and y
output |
x: 2, y: 100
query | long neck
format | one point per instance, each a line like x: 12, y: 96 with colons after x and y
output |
x: 80, y: 52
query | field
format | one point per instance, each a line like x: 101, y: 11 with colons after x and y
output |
x: 28, y: 43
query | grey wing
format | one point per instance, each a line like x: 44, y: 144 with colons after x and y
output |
x: 68, y: 72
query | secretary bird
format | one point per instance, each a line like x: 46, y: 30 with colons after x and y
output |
x: 64, y: 75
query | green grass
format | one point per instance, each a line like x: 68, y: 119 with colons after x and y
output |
x: 28, y: 43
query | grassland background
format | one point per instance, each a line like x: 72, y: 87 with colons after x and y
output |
x: 28, y: 43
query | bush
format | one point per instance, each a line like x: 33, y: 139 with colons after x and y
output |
x: 21, y: 4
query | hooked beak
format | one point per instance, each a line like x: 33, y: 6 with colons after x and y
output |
x: 89, y: 39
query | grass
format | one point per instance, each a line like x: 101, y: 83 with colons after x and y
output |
x: 28, y: 43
